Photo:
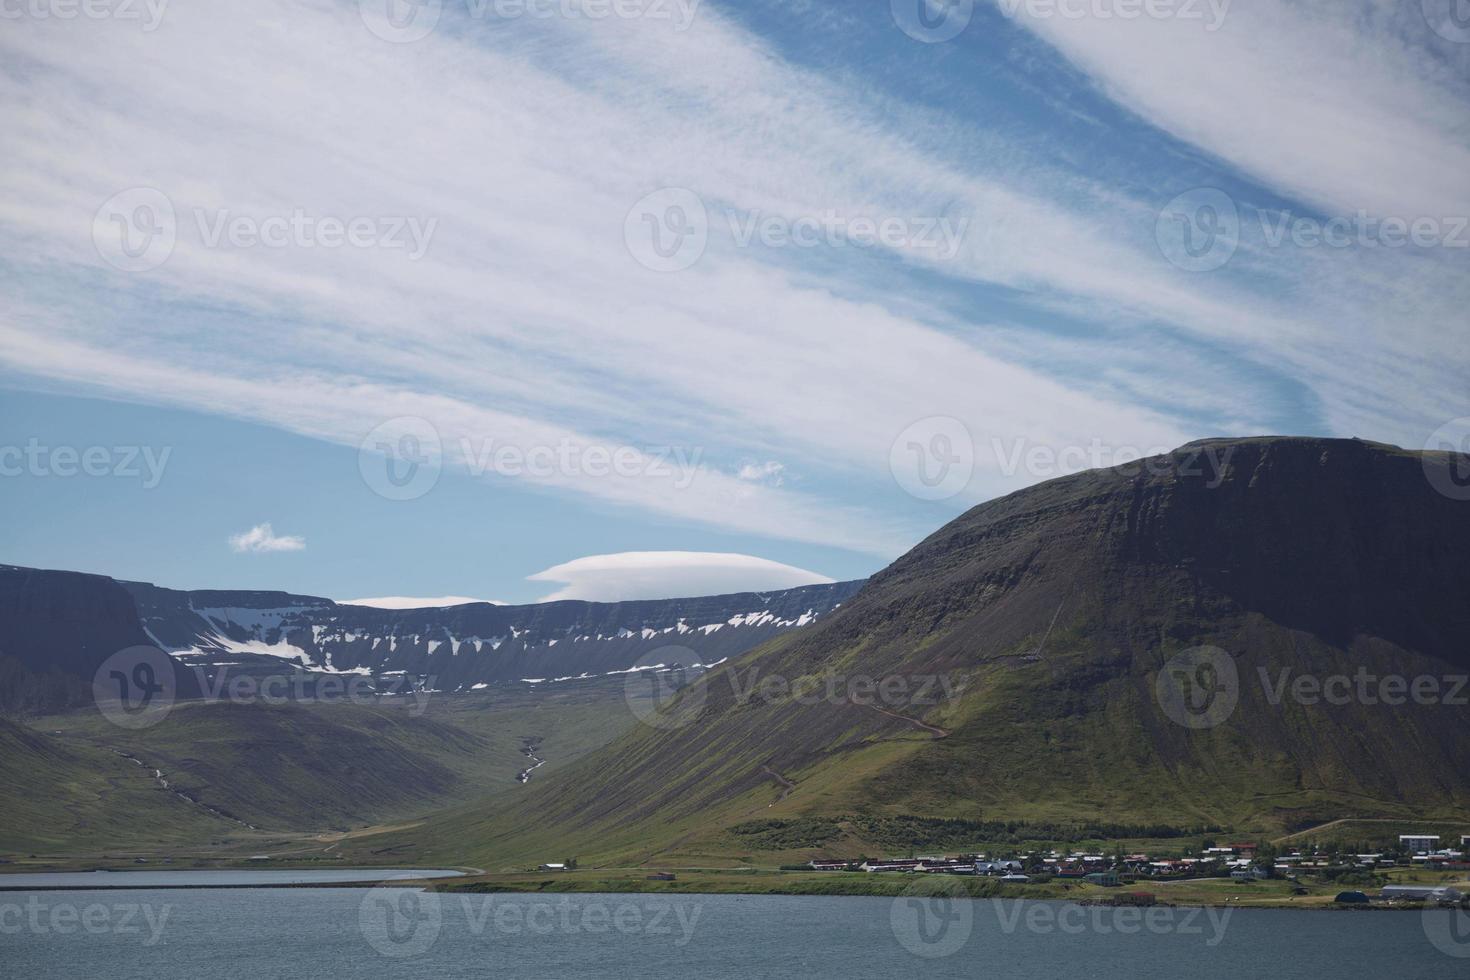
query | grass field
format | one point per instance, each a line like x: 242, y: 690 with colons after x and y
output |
x: 298, y: 780
x: 759, y: 881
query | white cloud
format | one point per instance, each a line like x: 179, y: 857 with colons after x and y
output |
x: 262, y: 538
x: 408, y: 602
x: 1345, y: 104
x: 528, y: 322
x: 770, y: 472
x: 670, y: 575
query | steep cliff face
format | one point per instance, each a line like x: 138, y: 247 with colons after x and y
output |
x: 457, y: 647
x: 58, y: 627
x: 1057, y: 615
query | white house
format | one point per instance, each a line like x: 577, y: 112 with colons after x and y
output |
x: 1419, y: 843
x: 1422, y: 893
x: 997, y: 867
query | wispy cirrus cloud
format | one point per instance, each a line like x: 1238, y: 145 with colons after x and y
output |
x: 527, y: 321
x: 1345, y: 105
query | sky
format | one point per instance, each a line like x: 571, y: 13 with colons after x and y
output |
x: 514, y: 300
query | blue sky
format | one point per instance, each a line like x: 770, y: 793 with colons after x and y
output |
x: 818, y: 276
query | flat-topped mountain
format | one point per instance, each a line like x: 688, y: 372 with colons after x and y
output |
x: 1030, y: 643
x: 56, y: 628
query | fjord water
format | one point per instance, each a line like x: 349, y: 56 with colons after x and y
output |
x: 232, y: 877
x: 342, y: 933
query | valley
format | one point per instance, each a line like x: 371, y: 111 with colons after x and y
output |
x: 998, y: 688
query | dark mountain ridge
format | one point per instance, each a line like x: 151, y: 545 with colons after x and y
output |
x: 56, y: 628
x: 1057, y: 613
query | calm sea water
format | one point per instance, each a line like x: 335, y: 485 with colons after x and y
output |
x: 398, y: 932
x: 223, y: 876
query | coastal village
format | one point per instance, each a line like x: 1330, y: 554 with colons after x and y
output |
x: 1240, y: 862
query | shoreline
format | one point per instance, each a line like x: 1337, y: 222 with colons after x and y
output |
x: 691, y: 882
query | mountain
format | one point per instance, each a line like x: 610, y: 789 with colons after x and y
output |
x: 1030, y: 646
x: 56, y: 628
x: 54, y: 793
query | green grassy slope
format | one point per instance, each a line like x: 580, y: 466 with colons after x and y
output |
x: 57, y: 794
x: 286, y: 770
x: 1055, y: 609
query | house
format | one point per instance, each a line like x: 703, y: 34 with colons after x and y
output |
x: 1249, y: 874
x: 1443, y: 894
x: 552, y: 867
x: 1107, y: 879
x: 903, y: 865
x: 997, y: 867
x: 1418, y: 843
x: 829, y: 865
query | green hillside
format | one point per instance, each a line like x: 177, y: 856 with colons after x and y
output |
x: 259, y: 778
x: 57, y: 795
x: 1051, y: 613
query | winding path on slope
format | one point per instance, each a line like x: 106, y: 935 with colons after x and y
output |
x: 937, y: 732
